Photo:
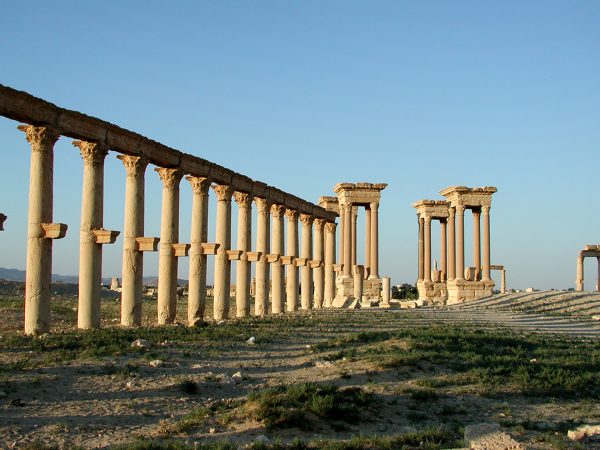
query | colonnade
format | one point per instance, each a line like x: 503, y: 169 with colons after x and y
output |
x: 94, y: 139
x: 589, y: 251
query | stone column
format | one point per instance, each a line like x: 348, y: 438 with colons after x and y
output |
x: 347, y: 238
x: 306, y: 288
x: 292, y: 250
x: 277, y: 275
x: 342, y: 242
x: 39, y: 248
x: 486, y: 276
x: 353, y: 232
x: 358, y: 273
x: 244, y: 237
x: 503, y: 281
x: 427, y: 265
x: 222, y: 262
x: 329, y: 293
x: 318, y: 272
x: 169, y: 235
x: 443, y: 257
x: 477, y: 243
x: 197, y: 258
x: 451, y: 246
x: 374, y: 242
x: 367, y: 241
x: 460, y: 247
x: 598, y: 278
x: 90, y: 252
x: 385, y: 294
x: 421, y: 251
x: 579, y: 279
x: 132, y: 283
x: 261, y: 299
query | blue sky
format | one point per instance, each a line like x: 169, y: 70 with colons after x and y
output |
x: 303, y: 95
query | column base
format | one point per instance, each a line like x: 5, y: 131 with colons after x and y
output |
x: 432, y: 293
x: 460, y: 291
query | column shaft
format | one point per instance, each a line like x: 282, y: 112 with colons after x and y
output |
x: 503, y: 281
x: 579, y: 279
x: 222, y: 263
x: 342, y: 242
x: 385, y: 290
x: 261, y: 299
x: 421, y: 249
x: 486, y: 275
x: 292, y: 250
x: 132, y: 283
x: 277, y: 247
x: 367, y: 241
x: 443, y: 250
x: 598, y: 278
x: 374, y: 241
x: 90, y: 253
x: 451, y: 246
x: 39, y: 248
x: 319, y: 255
x: 347, y: 212
x: 329, y: 293
x: 353, y: 230
x: 244, y: 237
x: 460, y: 247
x: 197, y: 258
x: 477, y: 243
x: 306, y: 288
x: 427, y: 245
x: 169, y: 235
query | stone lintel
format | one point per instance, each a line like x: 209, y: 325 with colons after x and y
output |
x: 220, y: 175
x: 595, y: 247
x: 181, y: 249
x: 469, y: 197
x: 147, y: 244
x: 277, y: 196
x: 253, y: 256
x: 590, y: 253
x: 433, y: 209
x: 195, y: 166
x: 260, y: 189
x: 330, y: 204
x: 362, y: 194
x: 210, y: 249
x: 496, y: 267
x: 54, y: 230
x: 105, y: 236
x: 235, y: 255
x: 241, y: 183
x: 287, y: 260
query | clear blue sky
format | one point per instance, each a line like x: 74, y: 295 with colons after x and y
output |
x: 302, y: 95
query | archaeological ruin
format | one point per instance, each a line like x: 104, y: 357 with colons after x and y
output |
x: 589, y: 251
x: 453, y: 282
x: 279, y: 285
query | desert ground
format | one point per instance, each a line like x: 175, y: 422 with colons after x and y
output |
x: 334, y: 379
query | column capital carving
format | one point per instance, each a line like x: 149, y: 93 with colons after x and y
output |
x: 263, y: 205
x: 92, y: 153
x: 134, y: 165
x: 354, y: 210
x: 374, y: 206
x: 306, y: 219
x: 243, y: 199
x: 319, y: 223
x: 40, y: 138
x: 485, y: 210
x: 291, y: 214
x: 277, y: 211
x: 428, y: 220
x: 460, y: 210
x: 223, y: 192
x: 200, y: 185
x: 330, y: 227
x: 451, y: 211
x: 476, y: 212
x: 169, y: 177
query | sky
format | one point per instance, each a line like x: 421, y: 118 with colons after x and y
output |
x: 303, y: 95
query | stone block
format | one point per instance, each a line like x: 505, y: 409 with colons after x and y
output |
x: 487, y: 436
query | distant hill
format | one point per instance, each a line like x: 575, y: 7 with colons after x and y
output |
x: 19, y: 275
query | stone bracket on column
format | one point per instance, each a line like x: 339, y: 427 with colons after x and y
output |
x: 209, y: 249
x: 315, y: 263
x: 287, y: 260
x: 146, y: 244
x: 272, y: 257
x: 235, y: 255
x: 338, y: 268
x: 103, y: 236
x: 181, y: 249
x: 254, y: 256
x: 2, y: 219
x: 301, y: 262
x: 54, y: 230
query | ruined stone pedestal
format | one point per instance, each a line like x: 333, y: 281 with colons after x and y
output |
x: 372, y: 289
x: 460, y: 291
x: 432, y: 293
x: 345, y: 292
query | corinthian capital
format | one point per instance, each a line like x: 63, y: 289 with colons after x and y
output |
x: 277, y: 211
x: 243, y: 199
x: 262, y: 205
x: 319, y: 223
x: 223, y: 192
x: 40, y: 138
x: 291, y: 215
x: 92, y: 153
x: 169, y: 177
x: 306, y: 219
x: 200, y: 185
x: 134, y: 165
x: 330, y: 227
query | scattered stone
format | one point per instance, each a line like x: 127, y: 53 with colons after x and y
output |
x: 485, y: 436
x: 221, y: 322
x: 251, y: 341
x: 595, y: 317
x: 533, y: 360
x: 156, y: 363
x: 237, y: 377
x: 130, y: 384
x: 212, y: 430
x: 141, y: 343
x: 322, y: 364
x: 261, y: 438
x: 583, y: 431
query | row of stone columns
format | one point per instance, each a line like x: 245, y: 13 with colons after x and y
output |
x: 347, y: 251
x: 589, y: 251
x: 42, y: 230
